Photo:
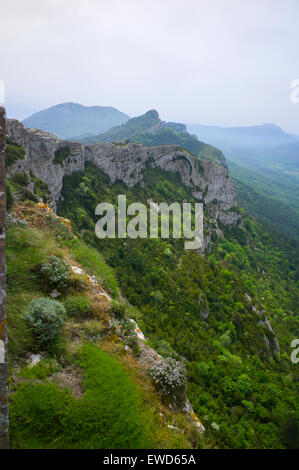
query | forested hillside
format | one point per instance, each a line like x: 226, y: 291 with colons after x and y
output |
x: 228, y: 315
x: 274, y: 201
x: 212, y: 310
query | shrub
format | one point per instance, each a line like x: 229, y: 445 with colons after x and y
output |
x: 20, y: 179
x: 55, y: 271
x: 129, y: 336
x: 163, y: 348
x: 203, y: 369
x: 119, y: 309
x: 62, y: 154
x: 169, y: 377
x: 78, y: 305
x: 78, y: 282
x: 10, y: 196
x: 14, y: 152
x: 45, y: 318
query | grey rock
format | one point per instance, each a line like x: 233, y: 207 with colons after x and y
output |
x: 209, y: 182
x: 275, y: 344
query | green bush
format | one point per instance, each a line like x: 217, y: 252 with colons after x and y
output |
x: 55, y: 271
x: 45, y: 317
x: 162, y: 347
x: 62, y: 154
x: 10, y: 196
x: 14, y: 152
x: 119, y: 309
x: 78, y: 305
x: 129, y: 336
x: 20, y: 179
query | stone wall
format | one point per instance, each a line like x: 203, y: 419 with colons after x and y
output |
x: 3, y: 332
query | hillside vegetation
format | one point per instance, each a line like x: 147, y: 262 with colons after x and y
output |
x: 212, y: 310
x: 275, y: 202
x: 228, y: 315
x: 87, y: 389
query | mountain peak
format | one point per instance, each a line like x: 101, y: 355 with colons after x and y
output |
x: 69, y: 119
x: 153, y: 113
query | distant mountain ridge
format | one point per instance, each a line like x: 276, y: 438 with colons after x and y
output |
x: 265, y: 135
x: 69, y: 120
x: 149, y: 130
x: 264, y: 164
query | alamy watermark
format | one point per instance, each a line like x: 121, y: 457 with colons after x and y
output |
x: 295, y: 353
x: 295, y: 92
x: 187, y: 222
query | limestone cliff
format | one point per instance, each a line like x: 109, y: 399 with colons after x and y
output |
x: 49, y: 159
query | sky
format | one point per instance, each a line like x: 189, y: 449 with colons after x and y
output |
x: 215, y: 62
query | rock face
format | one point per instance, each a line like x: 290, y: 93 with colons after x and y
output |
x: 209, y: 182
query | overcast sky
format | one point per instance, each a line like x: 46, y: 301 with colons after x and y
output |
x: 220, y: 62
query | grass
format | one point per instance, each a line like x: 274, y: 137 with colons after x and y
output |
x: 43, y: 369
x: 113, y: 413
x: 94, y: 263
x: 25, y: 248
x: 108, y: 415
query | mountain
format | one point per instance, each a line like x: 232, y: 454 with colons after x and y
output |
x: 264, y: 162
x: 67, y: 120
x: 147, y: 122
x: 266, y: 149
x: 275, y: 201
x: 149, y: 130
x: 225, y: 315
x: 266, y: 135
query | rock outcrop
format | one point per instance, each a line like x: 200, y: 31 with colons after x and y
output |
x: 208, y: 181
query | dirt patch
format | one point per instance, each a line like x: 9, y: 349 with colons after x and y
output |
x: 70, y: 379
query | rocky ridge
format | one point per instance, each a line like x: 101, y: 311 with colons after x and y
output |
x: 208, y: 181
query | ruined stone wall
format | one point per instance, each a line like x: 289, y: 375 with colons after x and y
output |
x: 3, y: 333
